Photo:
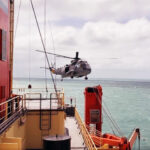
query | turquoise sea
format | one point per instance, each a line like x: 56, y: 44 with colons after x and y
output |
x: 128, y: 102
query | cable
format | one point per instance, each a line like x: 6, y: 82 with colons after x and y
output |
x: 139, y: 141
x: 45, y: 44
x: 29, y: 45
x: 117, y: 129
x: 17, y: 20
x: 44, y: 47
x: 109, y: 117
x: 53, y: 46
x: 113, y: 119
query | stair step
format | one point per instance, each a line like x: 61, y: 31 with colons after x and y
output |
x: 45, y: 131
x: 45, y: 128
x: 45, y: 119
x: 45, y: 125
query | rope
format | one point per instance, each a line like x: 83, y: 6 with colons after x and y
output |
x: 113, y: 119
x: 139, y: 144
x: 109, y: 117
x: 43, y: 46
x: 29, y: 44
x: 16, y: 27
x: 53, y: 44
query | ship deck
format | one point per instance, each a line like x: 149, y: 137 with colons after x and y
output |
x: 77, y: 141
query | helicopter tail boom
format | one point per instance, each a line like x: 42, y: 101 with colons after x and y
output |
x: 51, y: 69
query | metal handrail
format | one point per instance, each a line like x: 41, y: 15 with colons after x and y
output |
x: 3, y: 103
x: 26, y: 90
x: 86, y: 136
x: 37, y: 97
x: 10, y: 107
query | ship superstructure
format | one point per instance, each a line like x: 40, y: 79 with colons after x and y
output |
x: 5, y: 51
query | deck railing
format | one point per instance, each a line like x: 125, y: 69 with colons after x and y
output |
x: 39, y: 101
x: 41, y: 98
x: 21, y: 91
x: 11, y: 110
x: 11, y: 106
x: 85, y: 134
x: 14, y: 107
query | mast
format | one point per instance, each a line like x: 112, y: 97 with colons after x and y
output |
x: 11, y: 43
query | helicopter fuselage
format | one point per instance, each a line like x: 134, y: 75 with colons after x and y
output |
x: 77, y: 69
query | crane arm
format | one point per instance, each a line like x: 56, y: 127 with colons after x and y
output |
x: 133, y: 137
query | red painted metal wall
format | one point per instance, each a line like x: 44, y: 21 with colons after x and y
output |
x: 93, y: 106
x: 4, y: 64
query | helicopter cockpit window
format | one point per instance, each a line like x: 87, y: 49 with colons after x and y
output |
x: 78, y: 65
x: 67, y: 68
x: 74, y: 62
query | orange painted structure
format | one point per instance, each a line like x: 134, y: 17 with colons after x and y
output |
x: 93, y: 115
x: 93, y: 106
x: 114, y: 141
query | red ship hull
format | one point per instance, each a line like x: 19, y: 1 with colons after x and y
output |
x: 4, y: 53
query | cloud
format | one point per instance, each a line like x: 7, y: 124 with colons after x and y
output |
x: 108, y: 29
x: 95, y: 10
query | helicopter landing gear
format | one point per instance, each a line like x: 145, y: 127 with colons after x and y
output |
x: 86, y: 78
x: 71, y: 77
x: 61, y: 79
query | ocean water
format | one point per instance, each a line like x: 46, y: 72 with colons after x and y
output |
x: 127, y: 101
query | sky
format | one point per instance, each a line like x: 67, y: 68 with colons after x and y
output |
x: 99, y: 30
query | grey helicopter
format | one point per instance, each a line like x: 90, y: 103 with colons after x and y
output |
x: 77, y: 68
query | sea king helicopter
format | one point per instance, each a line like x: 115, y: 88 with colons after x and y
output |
x: 77, y: 68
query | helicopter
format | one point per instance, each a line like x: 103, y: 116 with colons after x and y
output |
x: 77, y: 68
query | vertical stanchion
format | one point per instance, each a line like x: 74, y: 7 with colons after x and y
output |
x: 12, y: 106
x: 6, y: 111
x: 18, y: 103
x: 24, y: 101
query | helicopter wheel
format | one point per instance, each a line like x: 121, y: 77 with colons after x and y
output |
x: 71, y: 77
x: 86, y: 78
x: 61, y: 79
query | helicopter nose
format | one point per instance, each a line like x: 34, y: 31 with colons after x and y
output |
x: 89, y: 70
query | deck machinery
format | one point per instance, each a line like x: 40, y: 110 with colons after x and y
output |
x: 93, y: 117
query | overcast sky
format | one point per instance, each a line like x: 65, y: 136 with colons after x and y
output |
x: 98, y: 29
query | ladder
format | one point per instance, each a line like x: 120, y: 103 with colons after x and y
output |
x: 45, y: 119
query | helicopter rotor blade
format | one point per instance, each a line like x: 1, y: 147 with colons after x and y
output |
x: 113, y: 58
x: 44, y: 68
x: 56, y: 54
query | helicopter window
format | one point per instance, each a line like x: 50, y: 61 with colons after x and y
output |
x: 66, y: 68
x: 78, y: 65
